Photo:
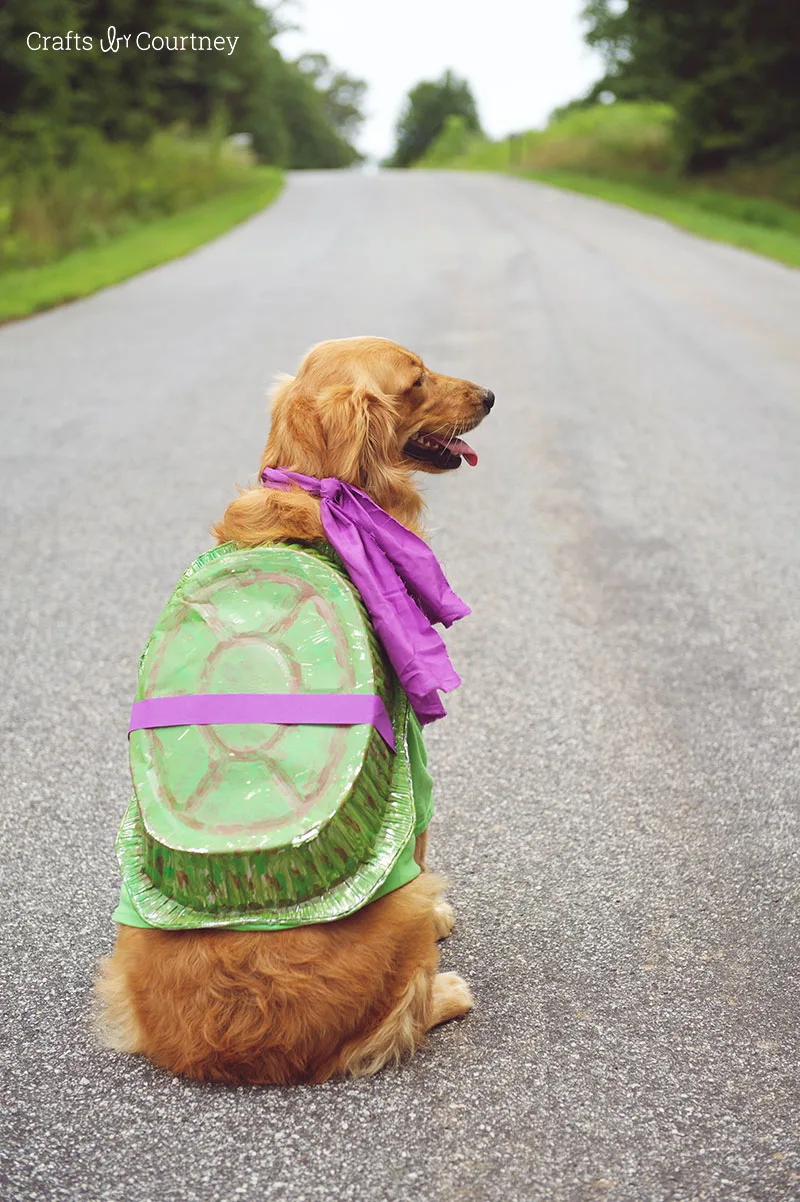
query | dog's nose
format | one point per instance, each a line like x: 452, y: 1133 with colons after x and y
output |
x: 488, y: 399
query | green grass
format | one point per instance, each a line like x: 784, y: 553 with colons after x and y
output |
x: 102, y: 189
x: 30, y: 290
x: 695, y: 214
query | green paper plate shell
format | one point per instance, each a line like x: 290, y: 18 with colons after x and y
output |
x: 260, y: 823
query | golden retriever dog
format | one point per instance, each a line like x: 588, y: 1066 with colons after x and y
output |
x: 350, y: 996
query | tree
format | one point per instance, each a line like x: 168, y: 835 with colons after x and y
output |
x: 427, y: 108
x: 52, y: 102
x: 313, y: 140
x: 729, y: 67
x: 343, y: 95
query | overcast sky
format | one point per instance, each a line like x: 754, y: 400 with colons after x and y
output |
x: 521, y: 57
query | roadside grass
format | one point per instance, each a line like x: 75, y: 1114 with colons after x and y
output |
x: 83, y: 272
x: 775, y: 234
x: 625, y: 153
x: 50, y: 207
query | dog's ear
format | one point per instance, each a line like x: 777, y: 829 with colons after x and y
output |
x: 347, y: 431
x: 359, y: 427
x: 295, y: 439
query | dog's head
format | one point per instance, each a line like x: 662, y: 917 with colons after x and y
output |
x: 369, y: 412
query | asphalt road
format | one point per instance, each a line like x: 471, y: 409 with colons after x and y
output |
x: 617, y: 781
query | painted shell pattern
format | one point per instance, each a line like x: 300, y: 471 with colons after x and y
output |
x: 258, y: 821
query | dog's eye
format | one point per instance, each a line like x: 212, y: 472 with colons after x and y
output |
x: 418, y: 383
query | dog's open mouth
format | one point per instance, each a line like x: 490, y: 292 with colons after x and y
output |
x: 444, y: 453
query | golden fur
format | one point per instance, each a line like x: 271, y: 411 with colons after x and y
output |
x: 341, y: 998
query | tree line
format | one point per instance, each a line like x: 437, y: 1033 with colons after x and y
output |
x: 297, y: 115
x: 729, y: 68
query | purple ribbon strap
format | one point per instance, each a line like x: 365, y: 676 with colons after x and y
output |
x: 400, y: 581
x: 284, y: 709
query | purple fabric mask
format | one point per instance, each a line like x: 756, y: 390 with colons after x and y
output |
x: 400, y: 581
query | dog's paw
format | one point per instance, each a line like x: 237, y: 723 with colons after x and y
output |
x: 443, y: 919
x: 452, y: 997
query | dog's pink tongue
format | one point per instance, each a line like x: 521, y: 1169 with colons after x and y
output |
x: 457, y: 446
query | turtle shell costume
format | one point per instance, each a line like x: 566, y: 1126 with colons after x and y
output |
x: 279, y: 773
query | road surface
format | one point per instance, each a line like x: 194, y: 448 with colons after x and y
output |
x: 617, y: 781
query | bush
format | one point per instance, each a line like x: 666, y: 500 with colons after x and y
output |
x: 48, y: 210
x: 624, y: 137
x: 455, y: 140
x: 621, y: 137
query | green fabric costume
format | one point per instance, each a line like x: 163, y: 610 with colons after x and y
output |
x: 251, y: 827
